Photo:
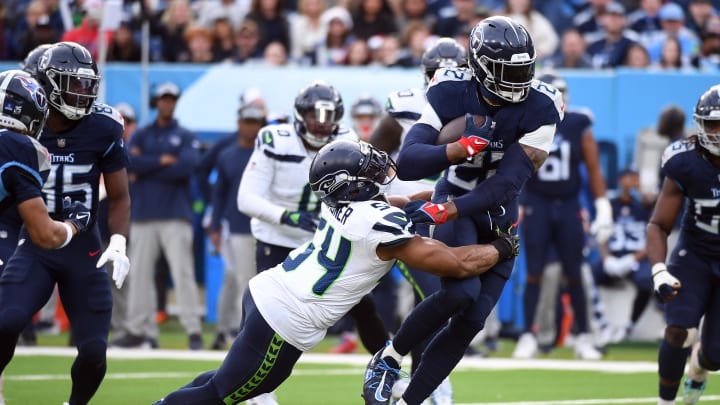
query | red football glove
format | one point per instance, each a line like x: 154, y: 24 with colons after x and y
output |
x: 476, y: 136
x: 421, y: 212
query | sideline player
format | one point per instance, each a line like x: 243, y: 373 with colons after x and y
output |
x: 288, y: 308
x: 84, y: 139
x: 689, y: 280
x: 510, y: 124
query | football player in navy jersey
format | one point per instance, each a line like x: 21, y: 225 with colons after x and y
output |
x: 689, y: 280
x: 288, y: 308
x: 26, y: 164
x: 84, y: 140
x: 511, y: 121
x: 552, y: 219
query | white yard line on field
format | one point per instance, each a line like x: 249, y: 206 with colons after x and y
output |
x: 362, y: 359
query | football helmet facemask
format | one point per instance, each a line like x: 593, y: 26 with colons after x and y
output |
x: 23, y: 104
x: 345, y: 171
x: 70, y: 77
x: 502, y: 59
x: 707, y: 118
x: 445, y: 52
x: 318, y: 110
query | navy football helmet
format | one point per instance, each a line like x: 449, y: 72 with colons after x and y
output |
x: 70, y: 78
x: 502, y: 59
x: 30, y: 63
x: 707, y: 118
x: 318, y: 111
x: 445, y: 52
x: 23, y: 102
x: 345, y: 171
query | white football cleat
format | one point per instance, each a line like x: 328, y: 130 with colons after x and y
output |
x: 527, y: 347
x: 584, y: 349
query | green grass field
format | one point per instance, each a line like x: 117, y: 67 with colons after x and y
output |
x: 626, y: 376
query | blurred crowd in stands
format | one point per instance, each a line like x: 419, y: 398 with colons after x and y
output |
x: 595, y: 34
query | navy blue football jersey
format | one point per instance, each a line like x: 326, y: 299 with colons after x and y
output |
x: 629, y: 227
x: 559, y: 177
x: 453, y: 93
x: 80, y: 155
x: 699, y: 181
x: 24, y: 167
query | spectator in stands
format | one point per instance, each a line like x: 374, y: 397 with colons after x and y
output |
x: 339, y: 24
x: 163, y: 156
x: 229, y: 228
x: 176, y: 18
x: 708, y: 57
x: 358, y: 53
x: 272, y: 23
x: 637, y: 57
x: 223, y: 48
x: 391, y: 52
x: 541, y: 30
x: 611, y: 50
x: 235, y: 11
x: 671, y: 57
x: 415, y: 37
x: 462, y: 17
x: 646, y: 20
x: 373, y: 17
x: 275, y: 54
x: 415, y: 10
x: 247, y: 42
x: 700, y: 12
x: 88, y: 33
x: 307, y: 31
x: 41, y: 33
x: 124, y: 48
x: 587, y: 21
x: 672, y: 20
x: 624, y: 255
x: 573, y: 53
x: 200, y: 45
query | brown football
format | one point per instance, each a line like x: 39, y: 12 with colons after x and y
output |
x: 453, y: 130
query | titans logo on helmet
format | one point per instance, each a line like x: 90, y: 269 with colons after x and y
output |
x: 36, y: 92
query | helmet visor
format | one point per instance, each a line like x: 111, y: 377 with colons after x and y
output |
x: 321, y: 121
x: 79, y: 91
x: 380, y: 168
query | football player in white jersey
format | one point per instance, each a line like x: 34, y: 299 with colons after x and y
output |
x: 287, y: 309
x: 404, y: 107
x: 274, y: 190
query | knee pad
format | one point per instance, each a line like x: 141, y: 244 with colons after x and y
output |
x: 680, y: 337
x: 92, y: 352
x: 13, y: 320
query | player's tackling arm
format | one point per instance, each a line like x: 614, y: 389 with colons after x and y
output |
x: 435, y: 257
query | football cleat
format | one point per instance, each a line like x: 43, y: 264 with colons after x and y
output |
x: 380, y: 377
x: 443, y: 394
x: 527, y: 347
x: 696, y: 379
x: 263, y: 399
x: 584, y: 349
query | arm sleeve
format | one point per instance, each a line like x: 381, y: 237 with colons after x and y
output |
x: 21, y: 184
x: 255, y: 183
x: 514, y: 170
x: 419, y: 157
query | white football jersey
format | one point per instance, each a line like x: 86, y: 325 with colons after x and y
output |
x: 406, y: 106
x: 323, y: 279
x: 276, y: 179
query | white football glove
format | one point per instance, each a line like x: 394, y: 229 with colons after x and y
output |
x: 602, y: 227
x: 115, y: 252
x: 665, y: 284
x: 620, y: 266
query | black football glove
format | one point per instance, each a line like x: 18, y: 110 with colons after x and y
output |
x: 76, y: 213
x: 507, y: 244
x: 300, y: 219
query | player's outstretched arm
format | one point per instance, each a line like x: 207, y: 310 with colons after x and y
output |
x: 435, y: 257
x: 45, y: 232
x: 116, y: 184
